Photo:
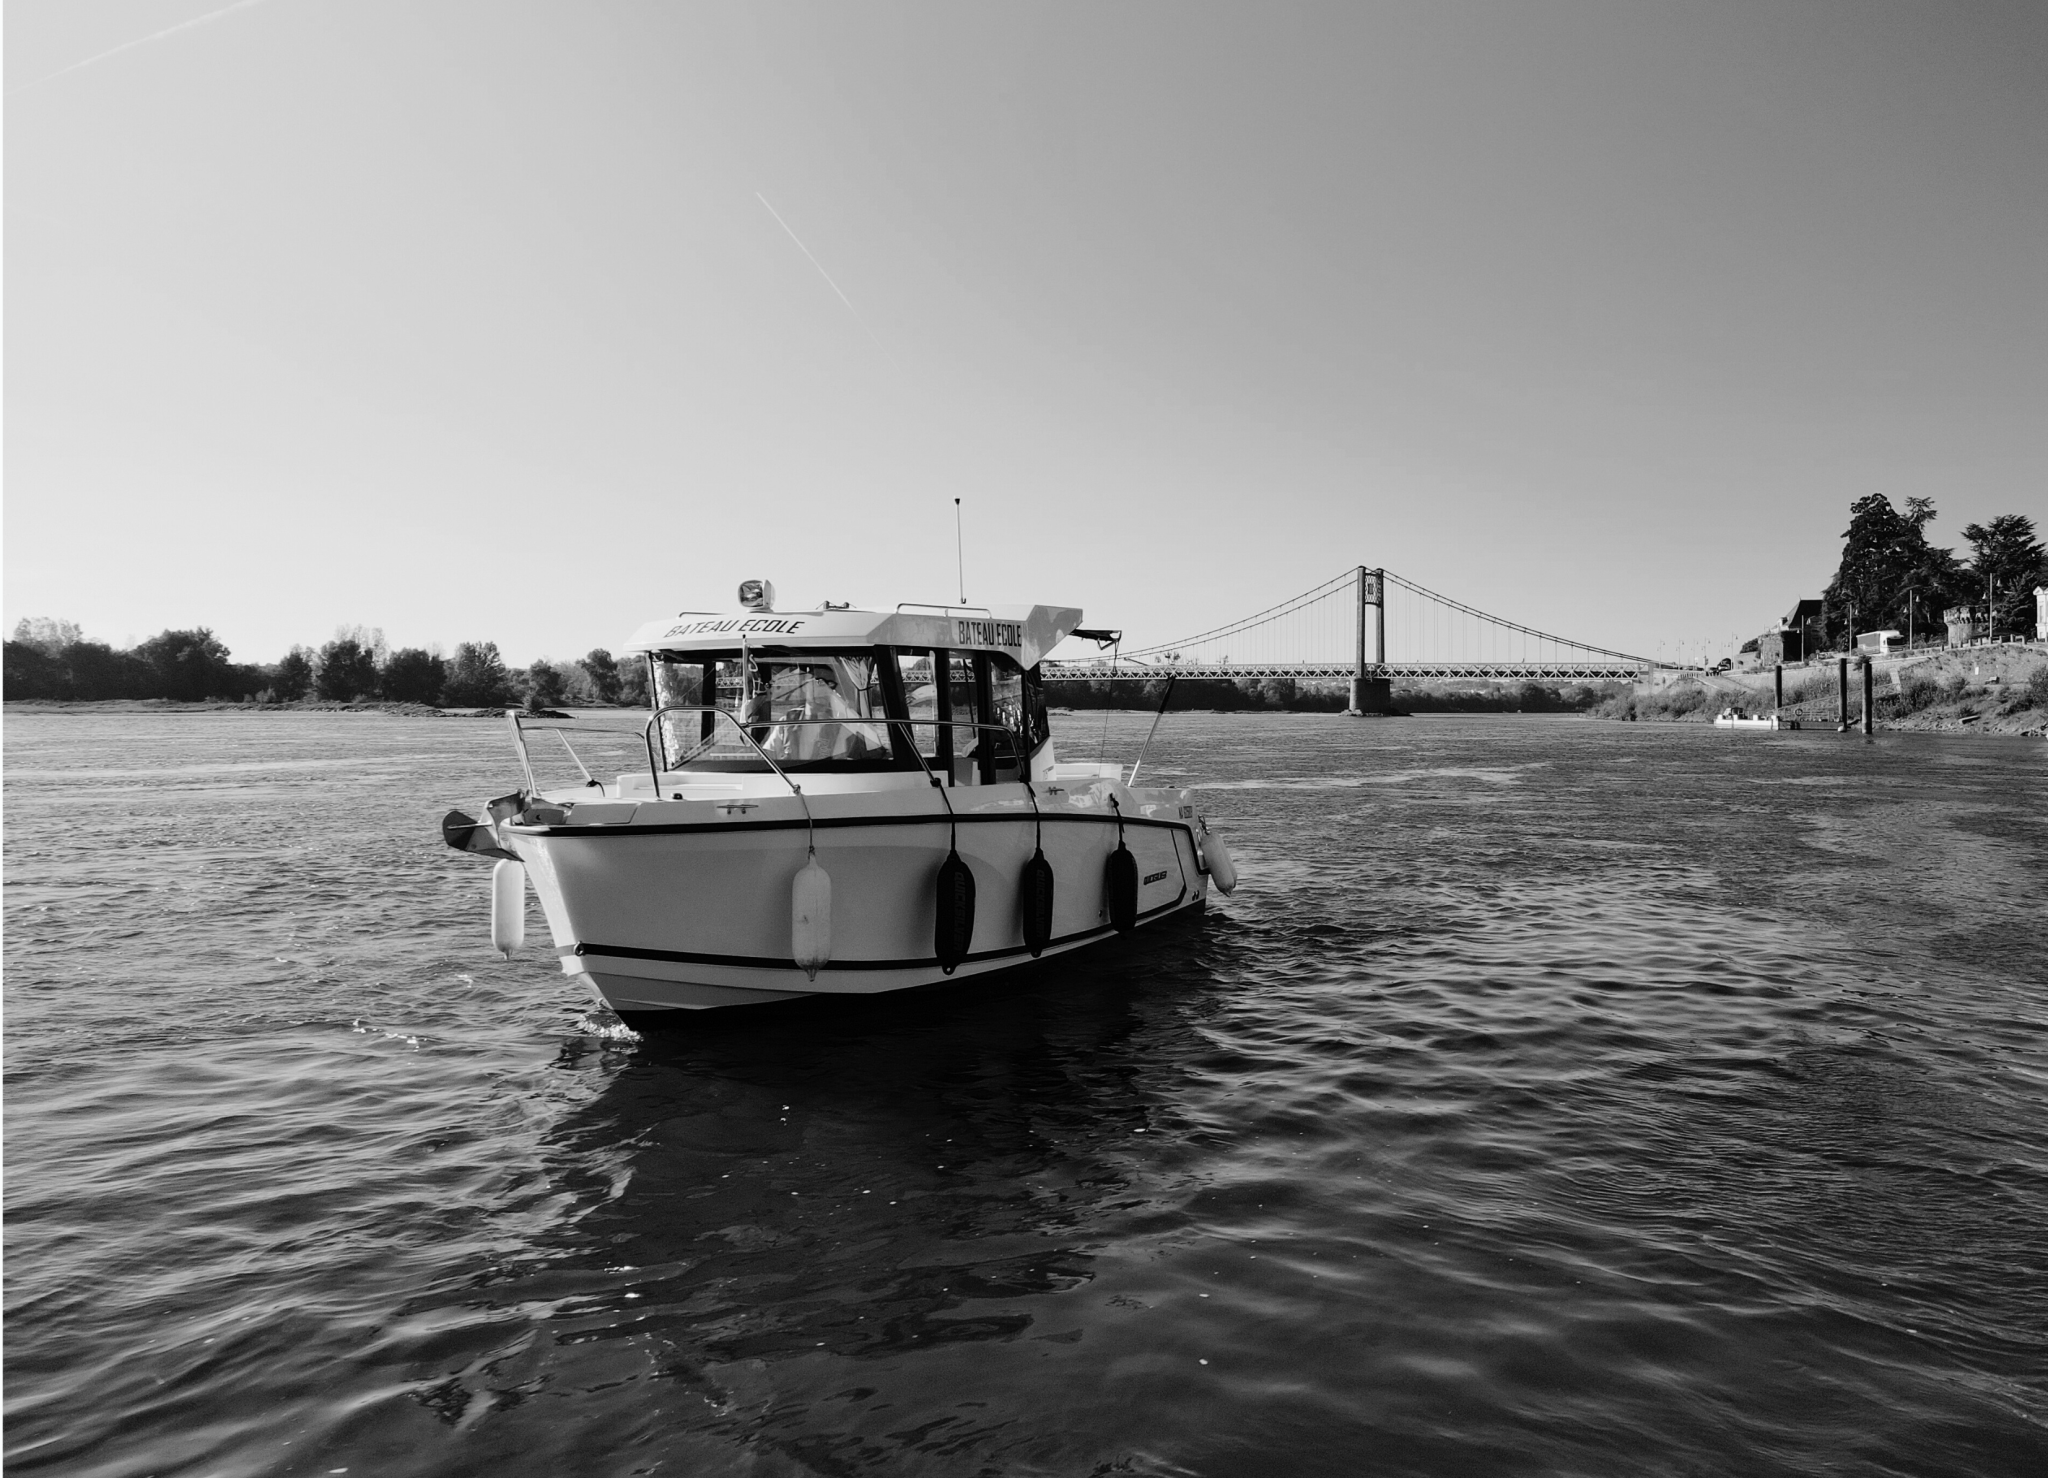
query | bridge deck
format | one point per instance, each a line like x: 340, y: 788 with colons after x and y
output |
x: 1610, y: 671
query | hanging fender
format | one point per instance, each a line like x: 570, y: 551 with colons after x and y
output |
x: 1216, y: 862
x: 508, y: 906
x: 1120, y: 888
x: 810, y: 917
x: 953, y: 924
x: 1034, y: 902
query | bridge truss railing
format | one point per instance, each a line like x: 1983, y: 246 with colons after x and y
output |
x: 1092, y: 671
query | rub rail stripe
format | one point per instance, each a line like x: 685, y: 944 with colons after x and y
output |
x: 762, y: 962
x: 827, y: 823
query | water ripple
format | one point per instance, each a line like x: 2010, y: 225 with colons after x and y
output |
x: 1553, y: 1098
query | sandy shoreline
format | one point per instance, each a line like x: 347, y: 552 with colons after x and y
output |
x: 166, y: 705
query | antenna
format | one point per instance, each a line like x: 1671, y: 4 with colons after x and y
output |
x: 960, y: 551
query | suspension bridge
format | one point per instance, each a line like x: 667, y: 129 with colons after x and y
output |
x: 1346, y: 627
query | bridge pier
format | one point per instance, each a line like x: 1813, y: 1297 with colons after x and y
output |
x: 1371, y: 695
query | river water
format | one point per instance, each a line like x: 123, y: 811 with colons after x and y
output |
x: 1554, y: 1097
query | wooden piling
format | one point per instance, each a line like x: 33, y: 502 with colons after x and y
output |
x: 1842, y: 696
x: 1778, y: 679
x: 1869, y: 706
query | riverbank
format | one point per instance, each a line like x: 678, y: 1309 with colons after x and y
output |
x: 1983, y: 690
x: 171, y: 706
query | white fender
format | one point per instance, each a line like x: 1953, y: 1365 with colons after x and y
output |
x: 1216, y: 858
x: 810, y: 918
x: 508, y: 906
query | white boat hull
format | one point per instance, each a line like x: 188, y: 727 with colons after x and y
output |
x: 687, y: 905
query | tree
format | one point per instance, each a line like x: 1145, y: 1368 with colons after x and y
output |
x: 603, y: 670
x: 292, y: 678
x: 633, y: 682
x: 347, y: 670
x: 1882, y: 551
x: 189, y: 666
x: 477, y: 677
x: 33, y: 673
x: 543, y: 686
x: 94, y: 670
x: 47, y: 635
x: 414, y: 675
x: 2007, y: 561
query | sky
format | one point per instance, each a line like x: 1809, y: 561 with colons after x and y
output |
x: 533, y: 322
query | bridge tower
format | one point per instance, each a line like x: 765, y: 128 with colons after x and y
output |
x: 1372, y: 691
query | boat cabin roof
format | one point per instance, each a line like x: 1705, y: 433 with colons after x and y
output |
x: 1025, y: 634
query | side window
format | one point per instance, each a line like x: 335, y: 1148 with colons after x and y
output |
x: 1006, y: 695
x: 965, y: 711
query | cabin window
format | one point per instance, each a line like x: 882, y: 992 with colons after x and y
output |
x: 805, y: 710
x: 967, y: 712
x: 970, y: 716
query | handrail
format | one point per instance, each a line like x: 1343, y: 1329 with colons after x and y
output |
x: 734, y: 719
x: 520, y: 726
x: 650, y: 736
x: 1016, y: 736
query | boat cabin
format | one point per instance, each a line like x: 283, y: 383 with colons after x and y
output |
x: 951, y: 690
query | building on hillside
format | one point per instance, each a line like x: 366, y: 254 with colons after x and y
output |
x: 1796, y: 638
x: 1879, y: 643
x: 1965, y: 624
x: 1805, y: 618
x: 2041, y: 613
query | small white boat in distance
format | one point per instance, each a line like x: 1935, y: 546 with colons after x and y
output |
x: 836, y: 801
x: 1728, y: 718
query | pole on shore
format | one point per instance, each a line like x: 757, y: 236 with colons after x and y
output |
x: 1778, y: 681
x: 1869, y: 707
x: 1842, y: 696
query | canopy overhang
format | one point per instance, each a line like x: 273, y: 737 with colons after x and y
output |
x: 1023, y: 633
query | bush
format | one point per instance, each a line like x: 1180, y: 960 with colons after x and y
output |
x: 2037, y: 686
x: 1685, y: 699
x: 1918, y: 691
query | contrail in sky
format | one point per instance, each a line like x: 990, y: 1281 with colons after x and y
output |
x: 821, y: 270
x: 197, y: 20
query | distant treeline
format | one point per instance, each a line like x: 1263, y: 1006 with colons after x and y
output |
x: 1238, y: 695
x: 53, y: 660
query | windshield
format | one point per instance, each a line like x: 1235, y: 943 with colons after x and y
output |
x: 806, y: 710
x: 972, y: 717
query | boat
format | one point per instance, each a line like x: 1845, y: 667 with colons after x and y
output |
x: 835, y: 801
x: 1728, y: 718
